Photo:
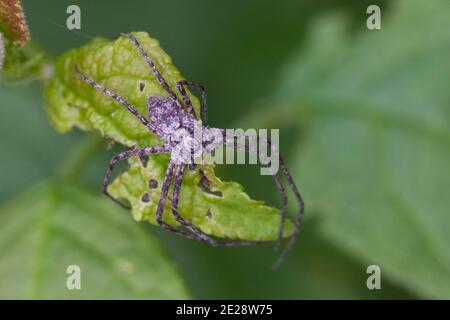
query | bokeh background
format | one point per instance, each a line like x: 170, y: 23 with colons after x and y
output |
x: 364, y: 118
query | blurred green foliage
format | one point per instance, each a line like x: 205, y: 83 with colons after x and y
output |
x: 113, y: 252
x: 374, y: 143
x: 25, y: 64
x: 364, y: 117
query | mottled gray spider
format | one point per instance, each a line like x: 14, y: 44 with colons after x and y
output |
x: 166, y: 115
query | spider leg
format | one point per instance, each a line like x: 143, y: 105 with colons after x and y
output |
x: 155, y: 70
x: 125, y: 155
x: 197, y: 233
x: 162, y: 201
x: 298, y: 198
x: 292, y: 186
x: 115, y: 96
x: 187, y: 101
x: 299, y: 216
x: 284, y: 202
x: 248, y: 148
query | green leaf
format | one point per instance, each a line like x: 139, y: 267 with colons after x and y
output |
x: 119, y: 66
x: 55, y: 225
x: 24, y: 64
x: 223, y: 211
x: 374, y: 154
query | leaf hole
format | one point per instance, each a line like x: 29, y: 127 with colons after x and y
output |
x: 152, y: 184
x: 145, y: 197
x: 141, y: 86
x: 143, y: 160
x: 205, y: 188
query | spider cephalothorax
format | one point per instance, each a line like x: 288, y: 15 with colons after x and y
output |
x: 175, y: 122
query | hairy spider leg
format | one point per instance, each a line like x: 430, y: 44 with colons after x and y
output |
x: 284, y: 198
x: 297, y: 195
x: 155, y: 70
x: 281, y: 189
x: 197, y: 233
x: 187, y: 101
x: 125, y: 155
x: 292, y: 186
x: 284, y: 202
x: 282, y: 192
x: 299, y: 216
x: 162, y: 201
x: 119, y: 99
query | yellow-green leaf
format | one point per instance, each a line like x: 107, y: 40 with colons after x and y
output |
x: 224, y: 211
x: 119, y: 66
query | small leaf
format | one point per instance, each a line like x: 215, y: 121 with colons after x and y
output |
x: 375, y: 142
x: 119, y: 66
x: 25, y: 64
x: 55, y: 225
x: 225, y: 211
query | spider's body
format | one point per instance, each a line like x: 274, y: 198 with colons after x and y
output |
x: 176, y: 127
x: 175, y: 121
x: 166, y: 116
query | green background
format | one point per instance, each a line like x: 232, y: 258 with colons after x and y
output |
x: 246, y: 53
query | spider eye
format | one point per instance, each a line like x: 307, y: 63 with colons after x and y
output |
x: 152, y: 184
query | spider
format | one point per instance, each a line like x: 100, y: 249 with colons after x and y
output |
x: 166, y: 115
